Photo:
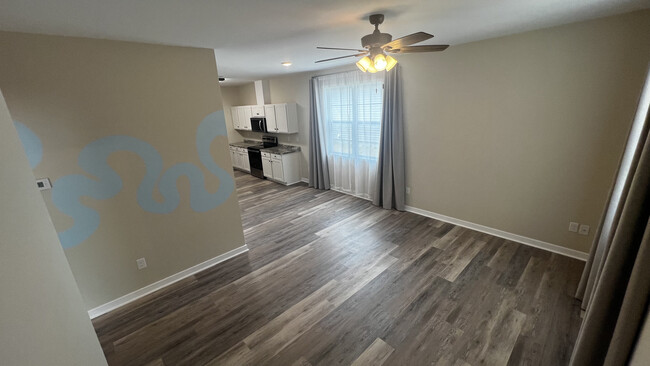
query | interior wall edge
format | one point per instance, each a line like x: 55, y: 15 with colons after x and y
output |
x: 553, y: 248
x: 144, y: 291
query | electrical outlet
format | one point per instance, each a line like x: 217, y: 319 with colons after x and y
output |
x: 142, y: 263
x: 584, y: 230
x: 573, y: 227
x: 408, y: 190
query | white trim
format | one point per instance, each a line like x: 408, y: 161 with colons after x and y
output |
x: 304, y: 180
x: 350, y: 194
x: 121, y: 301
x: 502, y: 234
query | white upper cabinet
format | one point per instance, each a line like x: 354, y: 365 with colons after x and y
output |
x: 245, y: 114
x: 257, y: 110
x: 280, y: 118
x: 269, y: 111
x: 234, y: 113
x: 285, y: 118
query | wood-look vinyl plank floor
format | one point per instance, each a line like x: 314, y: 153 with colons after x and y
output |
x: 331, y: 279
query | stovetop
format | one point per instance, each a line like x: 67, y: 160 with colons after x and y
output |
x: 256, y: 147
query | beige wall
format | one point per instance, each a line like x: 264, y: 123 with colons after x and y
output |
x: 247, y: 94
x: 229, y: 98
x: 73, y: 91
x: 524, y: 133
x: 42, y: 316
x: 521, y: 133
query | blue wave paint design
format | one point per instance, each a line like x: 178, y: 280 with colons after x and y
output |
x: 67, y: 190
x: 31, y: 143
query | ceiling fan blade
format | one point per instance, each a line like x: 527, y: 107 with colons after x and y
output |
x: 342, y: 49
x: 408, y: 40
x: 412, y: 49
x: 336, y: 58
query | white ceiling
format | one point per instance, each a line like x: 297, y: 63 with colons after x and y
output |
x: 252, y: 37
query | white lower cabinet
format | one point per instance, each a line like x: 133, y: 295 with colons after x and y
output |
x: 243, y: 156
x: 267, y: 165
x: 278, y: 167
x: 239, y: 157
x: 233, y: 156
x: 283, y: 168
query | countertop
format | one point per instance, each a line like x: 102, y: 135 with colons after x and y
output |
x: 282, y: 149
x: 246, y: 143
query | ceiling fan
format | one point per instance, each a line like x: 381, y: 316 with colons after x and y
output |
x: 378, y: 44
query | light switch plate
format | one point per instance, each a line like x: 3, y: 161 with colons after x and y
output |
x: 142, y: 263
x: 584, y: 230
x: 573, y: 227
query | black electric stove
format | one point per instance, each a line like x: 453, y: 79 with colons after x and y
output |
x: 255, y: 155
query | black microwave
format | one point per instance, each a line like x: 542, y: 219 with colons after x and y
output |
x: 258, y: 124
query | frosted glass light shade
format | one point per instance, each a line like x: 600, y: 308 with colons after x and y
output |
x: 364, y: 64
x: 390, y: 62
x: 380, y: 62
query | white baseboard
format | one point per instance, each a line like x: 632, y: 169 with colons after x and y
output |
x: 121, y: 301
x: 503, y: 234
x: 304, y: 180
x: 350, y: 194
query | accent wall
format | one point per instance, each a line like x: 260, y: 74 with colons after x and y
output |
x: 42, y: 315
x: 133, y: 138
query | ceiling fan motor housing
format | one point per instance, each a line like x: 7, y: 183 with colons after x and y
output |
x: 376, y: 39
x: 379, y: 44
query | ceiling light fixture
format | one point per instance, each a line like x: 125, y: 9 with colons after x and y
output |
x: 364, y: 64
x: 379, y: 62
x: 377, y: 46
x: 287, y: 63
x: 390, y: 62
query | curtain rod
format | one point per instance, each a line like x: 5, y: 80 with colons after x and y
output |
x: 333, y: 73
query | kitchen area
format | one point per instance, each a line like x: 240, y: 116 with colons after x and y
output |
x: 260, y: 154
x: 267, y: 159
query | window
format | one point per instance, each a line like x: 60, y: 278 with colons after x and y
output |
x: 352, y: 108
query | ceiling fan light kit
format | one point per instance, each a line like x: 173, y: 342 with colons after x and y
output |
x: 376, y: 46
x: 390, y: 62
x: 364, y: 64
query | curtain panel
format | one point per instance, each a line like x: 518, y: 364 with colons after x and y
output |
x: 347, y: 107
x: 390, y: 191
x: 318, y: 167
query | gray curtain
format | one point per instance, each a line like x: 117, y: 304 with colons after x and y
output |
x: 615, y: 286
x: 319, y: 177
x: 391, y: 176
